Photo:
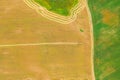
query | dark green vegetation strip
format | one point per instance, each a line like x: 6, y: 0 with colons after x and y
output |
x: 106, y: 23
x: 61, y: 7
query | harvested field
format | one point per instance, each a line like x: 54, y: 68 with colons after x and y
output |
x: 19, y: 24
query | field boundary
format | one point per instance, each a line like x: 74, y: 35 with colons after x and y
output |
x: 92, y: 39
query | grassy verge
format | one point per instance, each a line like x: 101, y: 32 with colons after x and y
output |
x: 61, y: 7
x: 106, y: 23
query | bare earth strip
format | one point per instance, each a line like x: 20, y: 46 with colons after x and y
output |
x: 20, y: 24
x: 40, y: 44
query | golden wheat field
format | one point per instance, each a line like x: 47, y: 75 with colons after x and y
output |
x: 64, y: 51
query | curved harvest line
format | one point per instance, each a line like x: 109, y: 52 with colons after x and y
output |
x: 56, y: 17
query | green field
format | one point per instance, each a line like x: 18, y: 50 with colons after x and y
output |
x: 61, y: 7
x: 106, y: 23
